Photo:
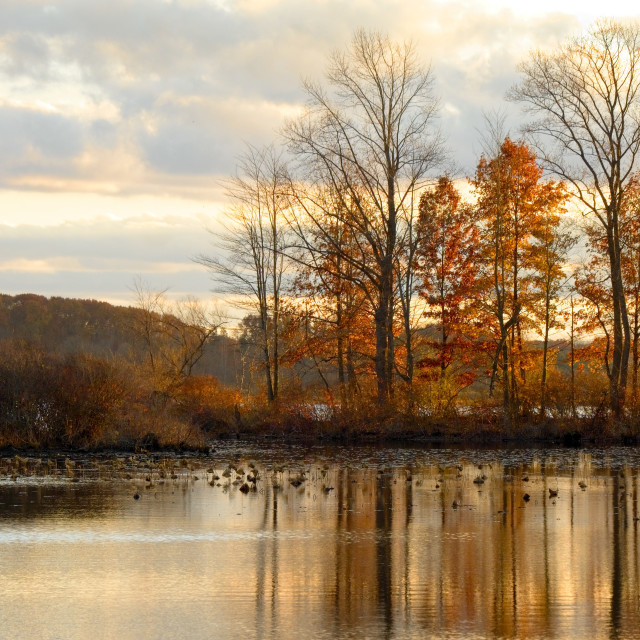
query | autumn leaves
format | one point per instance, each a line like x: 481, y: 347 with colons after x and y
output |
x: 371, y: 278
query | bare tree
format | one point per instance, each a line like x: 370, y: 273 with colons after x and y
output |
x: 412, y: 309
x: 175, y: 334
x: 250, y: 262
x: 586, y: 100
x: 369, y: 136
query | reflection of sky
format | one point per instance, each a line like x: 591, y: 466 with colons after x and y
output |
x: 136, y: 108
x: 381, y: 554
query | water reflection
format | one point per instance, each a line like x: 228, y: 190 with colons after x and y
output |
x: 402, y: 544
x: 48, y: 500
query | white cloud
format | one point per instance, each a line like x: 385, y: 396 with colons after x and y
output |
x: 105, y: 255
x: 119, y: 118
x: 33, y: 266
x: 174, y: 89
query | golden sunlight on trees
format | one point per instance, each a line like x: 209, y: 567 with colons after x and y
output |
x: 332, y: 310
x: 250, y: 263
x: 585, y: 100
x: 593, y: 282
x: 447, y: 266
x: 513, y: 206
x: 554, y: 240
x: 368, y: 136
x: 401, y: 289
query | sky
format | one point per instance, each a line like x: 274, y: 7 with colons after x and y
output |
x: 120, y: 120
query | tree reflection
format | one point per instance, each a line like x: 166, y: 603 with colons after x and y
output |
x: 429, y: 549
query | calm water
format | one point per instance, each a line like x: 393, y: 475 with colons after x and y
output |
x: 368, y: 545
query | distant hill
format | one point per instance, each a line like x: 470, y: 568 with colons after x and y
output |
x: 69, y: 325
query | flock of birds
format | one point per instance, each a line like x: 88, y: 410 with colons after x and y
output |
x: 159, y: 469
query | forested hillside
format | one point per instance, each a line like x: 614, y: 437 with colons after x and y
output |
x: 72, y: 326
x: 83, y: 372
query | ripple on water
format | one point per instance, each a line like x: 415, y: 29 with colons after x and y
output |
x: 368, y: 545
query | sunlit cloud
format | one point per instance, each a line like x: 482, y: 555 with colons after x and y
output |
x: 102, y: 257
x: 51, y: 265
x: 117, y: 112
x: 179, y: 92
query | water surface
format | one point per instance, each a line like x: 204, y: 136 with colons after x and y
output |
x: 362, y: 543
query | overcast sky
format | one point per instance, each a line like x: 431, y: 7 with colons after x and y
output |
x: 119, y: 119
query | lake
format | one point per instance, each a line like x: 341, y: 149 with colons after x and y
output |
x: 277, y: 541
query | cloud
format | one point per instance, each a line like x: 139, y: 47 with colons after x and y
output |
x: 39, y: 265
x: 136, y: 94
x: 36, y: 140
x: 146, y: 238
x: 119, y: 118
x: 103, y: 257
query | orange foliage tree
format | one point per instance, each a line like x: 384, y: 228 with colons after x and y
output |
x: 448, y: 268
x: 512, y: 204
x: 331, y: 318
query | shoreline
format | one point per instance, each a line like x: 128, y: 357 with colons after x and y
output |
x: 481, y: 439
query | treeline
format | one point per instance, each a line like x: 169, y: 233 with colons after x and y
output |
x: 383, y: 293
x: 68, y: 326
x: 404, y: 294
x: 489, y: 317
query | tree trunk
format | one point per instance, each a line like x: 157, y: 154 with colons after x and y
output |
x: 384, y: 333
x: 267, y: 362
x: 621, y: 329
x: 507, y: 413
x: 352, y: 382
x: 545, y: 350
x: 573, y: 363
x: 340, y: 352
x: 636, y: 333
x: 391, y: 348
x: 443, y: 346
x: 380, y: 317
x: 384, y: 314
